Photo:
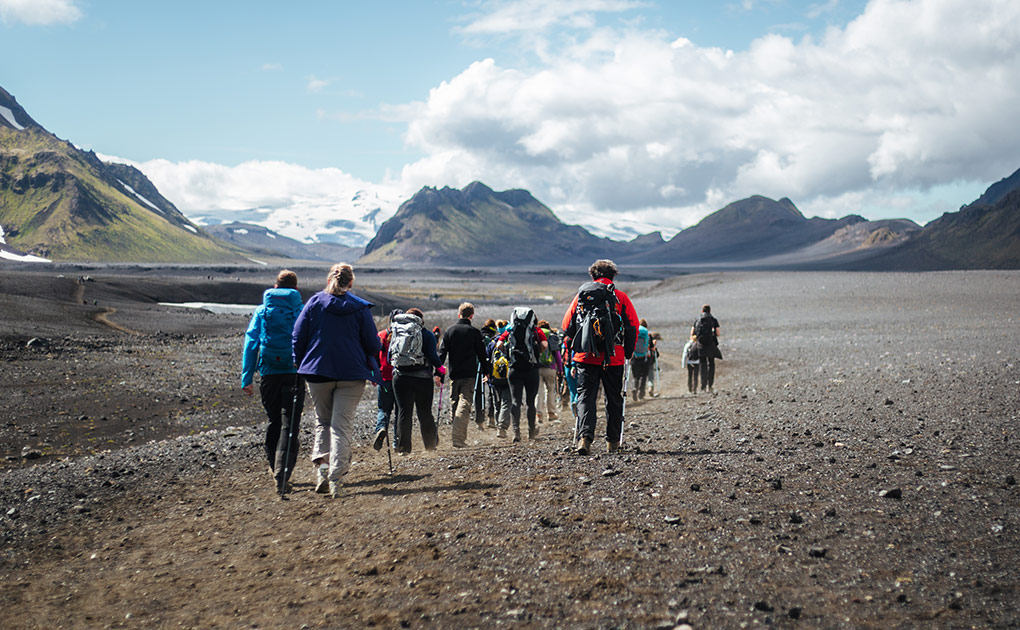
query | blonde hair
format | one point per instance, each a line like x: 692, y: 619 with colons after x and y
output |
x: 340, y: 277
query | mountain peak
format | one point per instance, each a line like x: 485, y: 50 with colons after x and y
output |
x: 13, y: 115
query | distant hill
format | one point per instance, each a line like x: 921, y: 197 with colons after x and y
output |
x: 61, y: 203
x: 746, y: 230
x: 260, y: 240
x: 998, y: 191
x: 478, y: 226
x: 979, y: 236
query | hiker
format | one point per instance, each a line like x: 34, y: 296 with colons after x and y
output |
x: 499, y: 385
x: 415, y: 363
x: 569, y: 376
x: 653, y: 369
x: 488, y: 404
x: 384, y: 396
x: 549, y: 365
x: 642, y: 361
x: 336, y: 348
x: 464, y: 346
x: 705, y: 333
x: 690, y: 360
x: 522, y: 342
x: 269, y: 350
x: 602, y: 325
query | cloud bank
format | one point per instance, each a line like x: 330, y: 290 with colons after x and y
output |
x: 648, y: 126
x: 39, y: 12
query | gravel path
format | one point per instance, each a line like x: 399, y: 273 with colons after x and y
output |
x: 856, y: 468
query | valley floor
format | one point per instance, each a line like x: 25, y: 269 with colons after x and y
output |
x: 856, y: 468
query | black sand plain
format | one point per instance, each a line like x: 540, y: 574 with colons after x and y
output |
x: 856, y: 467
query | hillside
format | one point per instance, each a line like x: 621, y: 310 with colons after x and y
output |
x: 477, y: 226
x: 746, y: 230
x: 61, y: 203
x: 260, y: 240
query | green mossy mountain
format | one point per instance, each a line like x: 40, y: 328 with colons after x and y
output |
x: 481, y: 227
x: 65, y: 204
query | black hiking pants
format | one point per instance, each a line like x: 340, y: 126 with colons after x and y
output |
x: 707, y: 371
x: 523, y: 384
x: 414, y: 393
x: 283, y: 398
x: 589, y: 377
x: 692, y: 377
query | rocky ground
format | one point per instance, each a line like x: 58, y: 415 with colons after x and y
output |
x: 855, y: 468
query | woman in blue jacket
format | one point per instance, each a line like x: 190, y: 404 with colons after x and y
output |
x: 335, y: 346
x: 267, y: 349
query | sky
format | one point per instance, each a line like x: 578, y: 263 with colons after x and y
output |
x: 621, y: 115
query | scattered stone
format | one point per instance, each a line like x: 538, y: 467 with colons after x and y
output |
x: 794, y: 613
x: 673, y: 520
x: 1011, y: 480
x: 777, y: 484
x: 894, y: 493
x: 831, y: 512
x: 888, y: 401
x: 584, y: 481
x: 683, y: 616
x: 763, y: 606
x: 818, y: 552
x: 609, y: 472
x: 695, y: 487
x: 30, y: 453
x: 37, y: 342
x: 796, y: 519
x: 545, y: 522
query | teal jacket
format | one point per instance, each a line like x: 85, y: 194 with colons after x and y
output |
x: 268, y: 345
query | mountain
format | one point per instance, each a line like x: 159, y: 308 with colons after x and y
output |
x: 263, y: 241
x: 62, y: 203
x: 478, y: 226
x: 979, y: 236
x: 997, y: 191
x: 854, y: 242
x: 746, y: 230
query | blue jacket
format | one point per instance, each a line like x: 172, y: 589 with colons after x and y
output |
x: 267, y: 342
x: 335, y: 338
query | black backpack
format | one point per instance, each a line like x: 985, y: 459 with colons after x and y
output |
x: 704, y: 330
x: 597, y: 327
x: 520, y: 342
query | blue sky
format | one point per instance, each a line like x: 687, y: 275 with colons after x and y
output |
x: 619, y: 114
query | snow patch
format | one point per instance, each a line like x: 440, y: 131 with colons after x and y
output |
x: 270, y: 235
x: 143, y: 199
x: 240, y: 231
x: 9, y: 115
x: 3, y: 240
x: 190, y: 227
x: 213, y: 307
x: 6, y: 255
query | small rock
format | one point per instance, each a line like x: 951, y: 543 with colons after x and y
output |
x: 831, y: 512
x: 37, y: 342
x: 683, y: 616
x: 695, y: 487
x: 894, y: 493
x: 673, y: 520
x: 763, y: 606
x: 545, y: 522
x: 888, y: 401
x: 13, y: 512
x: 30, y: 453
x: 609, y: 472
x: 818, y: 552
x: 777, y: 484
x: 584, y: 481
x: 1011, y: 480
x: 796, y: 519
x: 684, y: 626
x: 794, y: 613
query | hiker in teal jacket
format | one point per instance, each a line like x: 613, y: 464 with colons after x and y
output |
x: 268, y: 349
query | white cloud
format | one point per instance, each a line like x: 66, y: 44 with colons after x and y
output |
x: 315, y: 84
x: 502, y: 17
x: 911, y: 94
x: 302, y: 203
x: 271, y: 67
x: 39, y: 12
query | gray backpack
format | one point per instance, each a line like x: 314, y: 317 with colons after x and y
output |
x: 405, y: 341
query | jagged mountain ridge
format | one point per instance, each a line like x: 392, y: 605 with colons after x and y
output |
x: 260, y: 240
x: 61, y: 203
x: 478, y: 226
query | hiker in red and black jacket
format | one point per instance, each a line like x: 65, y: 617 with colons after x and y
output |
x: 593, y: 368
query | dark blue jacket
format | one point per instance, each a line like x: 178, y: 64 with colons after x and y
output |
x: 267, y: 342
x: 335, y: 338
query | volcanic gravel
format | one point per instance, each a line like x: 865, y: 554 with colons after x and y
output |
x: 856, y: 467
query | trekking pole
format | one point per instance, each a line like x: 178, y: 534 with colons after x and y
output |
x: 623, y: 412
x: 389, y: 455
x: 281, y: 484
x: 439, y: 405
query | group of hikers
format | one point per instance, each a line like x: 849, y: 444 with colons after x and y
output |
x: 332, y: 344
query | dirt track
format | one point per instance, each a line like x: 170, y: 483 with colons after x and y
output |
x: 760, y: 505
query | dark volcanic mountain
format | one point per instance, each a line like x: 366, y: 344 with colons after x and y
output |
x: 478, y: 226
x: 746, y: 230
x: 977, y: 237
x: 62, y: 203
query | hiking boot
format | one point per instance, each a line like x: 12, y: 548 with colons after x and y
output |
x: 502, y: 433
x: 480, y: 425
x: 334, y: 489
x: 321, y: 479
x: 612, y: 447
x: 380, y: 439
x: 532, y: 433
x: 517, y: 435
x: 583, y: 446
x: 459, y: 445
x: 492, y: 424
x: 553, y: 416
